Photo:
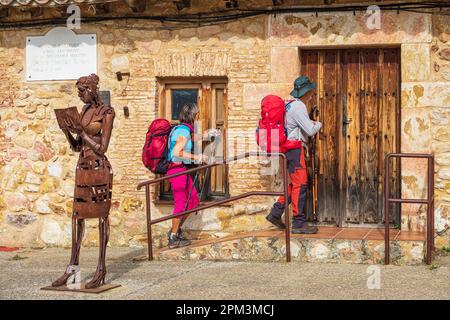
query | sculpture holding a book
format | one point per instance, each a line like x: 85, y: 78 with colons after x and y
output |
x: 89, y: 134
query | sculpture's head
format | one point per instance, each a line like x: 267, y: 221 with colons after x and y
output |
x: 88, y: 89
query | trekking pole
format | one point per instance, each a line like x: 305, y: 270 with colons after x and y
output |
x: 190, y: 190
x: 214, y: 144
x: 196, y: 177
x: 314, y: 112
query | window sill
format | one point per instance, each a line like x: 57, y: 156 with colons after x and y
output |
x: 170, y: 203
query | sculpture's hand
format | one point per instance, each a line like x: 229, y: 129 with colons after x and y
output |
x: 72, y: 128
x: 75, y: 144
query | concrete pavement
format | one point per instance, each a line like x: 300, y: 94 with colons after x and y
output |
x: 25, y: 271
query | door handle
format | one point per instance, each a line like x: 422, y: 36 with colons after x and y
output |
x: 345, y: 120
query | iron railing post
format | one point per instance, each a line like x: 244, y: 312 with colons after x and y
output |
x: 430, y: 210
x: 429, y: 202
x: 286, y: 211
x: 432, y: 202
x: 149, y: 224
x: 387, y: 256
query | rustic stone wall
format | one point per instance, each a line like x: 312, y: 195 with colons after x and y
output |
x: 440, y: 124
x: 425, y: 125
x: 37, y: 171
x: 258, y: 56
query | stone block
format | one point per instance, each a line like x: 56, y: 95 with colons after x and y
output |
x: 415, y: 62
x: 444, y: 173
x: 425, y: 94
x: 412, y: 252
x: 21, y: 220
x: 25, y: 139
x: 319, y: 251
x: 442, y: 217
x: 49, y: 184
x: 285, y: 64
x: 254, y: 93
x: 13, y: 177
x: 129, y: 205
x: 209, y: 220
x: 42, y: 205
x: 440, y: 116
x: 30, y: 108
x: 51, y: 233
x: 441, y: 134
x: 415, y: 130
x: 39, y: 167
x: 16, y: 201
x: 11, y: 128
x: 32, y: 178
x: 31, y: 188
x: 41, y: 152
x: 57, y: 209
x: 414, y: 178
x: 54, y: 168
x: 37, y: 127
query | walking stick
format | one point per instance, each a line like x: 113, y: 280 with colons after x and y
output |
x: 214, y: 144
x: 213, y: 140
x: 314, y: 115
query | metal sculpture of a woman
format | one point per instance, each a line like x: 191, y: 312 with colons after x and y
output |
x: 93, y: 177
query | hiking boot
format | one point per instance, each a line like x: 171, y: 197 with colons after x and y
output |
x: 305, y: 230
x: 275, y: 221
x: 176, y: 242
x: 180, y: 234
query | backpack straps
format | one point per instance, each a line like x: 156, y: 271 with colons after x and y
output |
x: 288, y: 105
x: 191, y: 130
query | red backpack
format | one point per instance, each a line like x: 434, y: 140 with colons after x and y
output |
x: 155, y: 150
x: 271, y: 133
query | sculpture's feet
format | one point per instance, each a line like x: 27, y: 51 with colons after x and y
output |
x: 61, y: 281
x: 97, y: 280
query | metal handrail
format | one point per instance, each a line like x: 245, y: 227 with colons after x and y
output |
x: 151, y: 222
x: 429, y: 202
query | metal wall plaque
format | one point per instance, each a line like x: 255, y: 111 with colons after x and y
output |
x: 60, y: 55
x: 105, y: 95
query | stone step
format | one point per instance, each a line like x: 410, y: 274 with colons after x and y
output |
x: 329, y: 245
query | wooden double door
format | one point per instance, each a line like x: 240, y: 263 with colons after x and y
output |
x: 357, y: 96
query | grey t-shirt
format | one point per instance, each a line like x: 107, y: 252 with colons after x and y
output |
x: 298, y: 124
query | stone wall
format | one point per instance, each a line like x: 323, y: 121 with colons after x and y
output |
x: 37, y: 174
x: 440, y: 123
x: 258, y: 56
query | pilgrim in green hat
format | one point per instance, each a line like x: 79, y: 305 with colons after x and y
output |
x: 301, y: 86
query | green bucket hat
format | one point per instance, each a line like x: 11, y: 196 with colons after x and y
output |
x: 301, y: 86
